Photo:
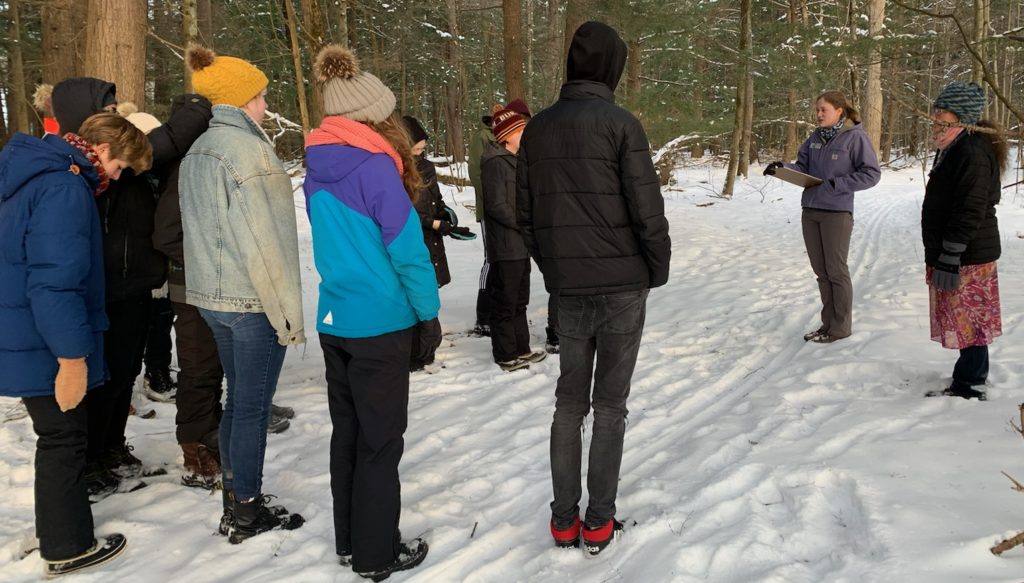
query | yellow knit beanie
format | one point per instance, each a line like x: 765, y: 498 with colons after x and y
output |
x: 224, y: 80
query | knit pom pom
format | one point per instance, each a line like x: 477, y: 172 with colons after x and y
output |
x: 496, y: 108
x: 199, y: 57
x: 335, y: 62
x: 126, y: 108
x: 42, y: 99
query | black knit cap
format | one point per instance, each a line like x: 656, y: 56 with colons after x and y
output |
x: 414, y: 129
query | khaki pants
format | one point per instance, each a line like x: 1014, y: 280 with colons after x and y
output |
x: 827, y: 238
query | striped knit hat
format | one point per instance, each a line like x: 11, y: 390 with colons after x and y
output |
x: 506, y: 123
x: 965, y: 100
x: 348, y: 90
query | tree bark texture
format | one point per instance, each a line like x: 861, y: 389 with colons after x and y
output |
x: 742, y: 71
x: 873, y: 94
x: 60, y: 56
x: 18, y: 88
x: 300, y: 82
x: 316, y: 38
x: 454, y: 88
x: 116, y: 46
x: 190, y: 33
x: 513, y: 51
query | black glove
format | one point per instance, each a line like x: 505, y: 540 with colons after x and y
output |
x: 946, y: 272
x: 452, y: 217
x: 444, y: 227
x: 462, y: 234
x: 769, y: 170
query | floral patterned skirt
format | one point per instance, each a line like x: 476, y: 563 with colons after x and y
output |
x: 968, y: 316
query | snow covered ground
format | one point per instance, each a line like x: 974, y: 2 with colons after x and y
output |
x: 750, y: 455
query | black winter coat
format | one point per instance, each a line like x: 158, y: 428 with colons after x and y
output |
x: 960, y: 202
x: 430, y: 207
x: 502, y: 237
x: 168, y: 237
x: 128, y: 208
x: 589, y: 200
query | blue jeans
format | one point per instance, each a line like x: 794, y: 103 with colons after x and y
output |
x: 609, y: 328
x: 252, y: 359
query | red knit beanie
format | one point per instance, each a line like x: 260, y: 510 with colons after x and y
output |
x: 506, y: 123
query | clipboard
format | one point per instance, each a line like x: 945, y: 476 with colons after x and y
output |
x: 797, y: 178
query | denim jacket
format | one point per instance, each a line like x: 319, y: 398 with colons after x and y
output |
x: 238, y: 219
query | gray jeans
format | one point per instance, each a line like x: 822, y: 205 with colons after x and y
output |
x: 827, y: 237
x: 608, y: 327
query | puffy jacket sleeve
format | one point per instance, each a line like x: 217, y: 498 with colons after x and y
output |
x: 524, y: 203
x: 58, y: 260
x: 971, y: 195
x: 269, y: 248
x: 642, y: 190
x: 168, y: 234
x: 172, y: 140
x: 401, y: 234
x: 499, y: 192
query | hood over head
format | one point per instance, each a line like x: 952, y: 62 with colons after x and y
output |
x: 75, y: 99
x: 597, y: 53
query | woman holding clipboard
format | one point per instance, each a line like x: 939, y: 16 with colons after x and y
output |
x: 840, y: 154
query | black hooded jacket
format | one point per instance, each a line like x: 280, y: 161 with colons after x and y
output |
x: 588, y: 197
x: 128, y: 206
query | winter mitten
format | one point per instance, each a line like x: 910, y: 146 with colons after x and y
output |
x: 462, y: 234
x: 769, y: 170
x: 72, y: 377
x: 452, y: 217
x: 444, y: 227
x: 946, y: 273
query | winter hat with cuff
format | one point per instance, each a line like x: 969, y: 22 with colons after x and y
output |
x: 349, y: 91
x: 506, y: 123
x: 224, y: 80
x: 965, y: 100
x: 140, y: 119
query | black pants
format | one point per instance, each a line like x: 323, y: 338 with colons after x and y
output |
x: 200, y: 379
x: 553, y: 311
x: 63, y: 517
x: 510, y: 294
x: 426, y: 337
x: 483, y: 296
x: 123, y: 345
x: 158, y: 339
x: 368, y: 397
x: 972, y: 367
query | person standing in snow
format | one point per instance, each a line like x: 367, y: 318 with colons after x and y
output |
x: 242, y: 273
x: 589, y: 205
x: 377, y: 284
x: 438, y: 220
x: 52, y: 316
x: 840, y: 154
x: 507, y: 253
x: 961, y: 234
x: 478, y: 143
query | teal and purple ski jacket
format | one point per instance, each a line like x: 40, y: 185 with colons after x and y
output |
x: 367, y: 244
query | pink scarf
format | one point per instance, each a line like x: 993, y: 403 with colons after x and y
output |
x: 338, y: 130
x: 944, y: 139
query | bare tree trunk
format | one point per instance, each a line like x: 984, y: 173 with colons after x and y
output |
x: 634, y: 69
x: 513, y: 55
x: 204, y: 17
x: 697, y: 148
x: 116, y: 46
x: 851, y: 24
x: 17, y: 94
x: 873, y: 99
x: 742, y: 72
x: 792, y: 96
x: 313, y: 23
x: 300, y: 82
x: 59, y: 53
x: 980, y: 33
x: 575, y: 15
x: 556, y: 55
x: 530, y: 93
x: 4, y: 134
x: 747, y: 143
x: 455, y: 88
x: 190, y: 31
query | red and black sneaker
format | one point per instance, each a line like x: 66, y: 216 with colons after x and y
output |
x: 567, y: 538
x: 596, y: 539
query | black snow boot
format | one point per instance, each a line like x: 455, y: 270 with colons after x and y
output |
x: 410, y: 554
x: 254, y: 517
x: 101, y: 552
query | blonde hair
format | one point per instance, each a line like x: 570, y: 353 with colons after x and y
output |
x: 126, y: 141
x: 392, y: 129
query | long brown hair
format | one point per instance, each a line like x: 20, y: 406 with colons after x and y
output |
x: 998, y: 141
x: 393, y: 130
x: 838, y: 100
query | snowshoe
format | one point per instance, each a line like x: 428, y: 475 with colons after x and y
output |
x: 101, y: 552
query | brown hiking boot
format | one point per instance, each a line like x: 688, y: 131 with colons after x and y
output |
x: 202, y: 467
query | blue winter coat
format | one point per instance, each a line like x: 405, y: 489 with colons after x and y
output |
x: 376, y: 274
x: 51, y: 265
